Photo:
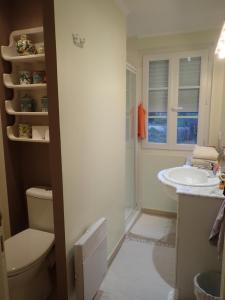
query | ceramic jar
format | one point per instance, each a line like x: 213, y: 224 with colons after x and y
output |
x: 25, y: 77
x: 40, y: 49
x: 24, y: 46
x: 27, y: 104
x: 38, y: 76
x: 24, y: 131
x: 44, y: 104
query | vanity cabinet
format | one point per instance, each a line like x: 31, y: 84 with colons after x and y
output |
x: 196, y: 216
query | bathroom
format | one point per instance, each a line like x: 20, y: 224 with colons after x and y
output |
x: 85, y: 148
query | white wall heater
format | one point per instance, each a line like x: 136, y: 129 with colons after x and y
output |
x: 91, y: 260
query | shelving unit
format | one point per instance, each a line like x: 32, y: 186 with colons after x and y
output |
x: 29, y: 163
x: 24, y: 62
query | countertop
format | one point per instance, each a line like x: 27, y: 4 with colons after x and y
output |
x: 212, y: 191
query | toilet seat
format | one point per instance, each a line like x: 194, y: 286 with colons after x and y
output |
x: 25, y: 249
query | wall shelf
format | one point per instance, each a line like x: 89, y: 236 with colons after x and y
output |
x: 9, y: 53
x: 10, y: 82
x: 19, y: 58
x: 12, y: 136
x: 11, y: 109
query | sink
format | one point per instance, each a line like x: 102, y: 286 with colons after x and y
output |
x: 185, y: 176
x: 190, y: 176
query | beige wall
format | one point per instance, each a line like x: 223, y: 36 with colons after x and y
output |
x: 92, y: 117
x: 132, y: 52
x: 223, y: 109
x: 217, y: 102
x: 3, y: 190
x: 151, y: 191
x: 151, y: 194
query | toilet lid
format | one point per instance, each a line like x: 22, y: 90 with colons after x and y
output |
x: 25, y: 248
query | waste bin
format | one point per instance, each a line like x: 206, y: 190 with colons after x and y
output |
x: 207, y: 286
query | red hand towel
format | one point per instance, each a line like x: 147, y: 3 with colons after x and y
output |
x: 141, y: 122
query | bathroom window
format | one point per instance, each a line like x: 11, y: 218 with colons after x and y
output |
x: 175, y: 95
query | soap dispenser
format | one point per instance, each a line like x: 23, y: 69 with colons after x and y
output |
x: 221, y: 160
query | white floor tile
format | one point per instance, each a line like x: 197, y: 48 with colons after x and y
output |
x: 141, y: 271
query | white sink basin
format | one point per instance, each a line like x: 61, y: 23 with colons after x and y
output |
x: 185, y: 176
x: 190, y: 176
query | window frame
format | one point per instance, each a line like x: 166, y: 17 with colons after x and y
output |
x: 173, y: 90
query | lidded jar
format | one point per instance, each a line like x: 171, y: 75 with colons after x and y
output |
x: 27, y: 104
x: 44, y: 104
x: 24, y: 46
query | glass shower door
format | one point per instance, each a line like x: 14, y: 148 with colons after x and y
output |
x: 130, y: 142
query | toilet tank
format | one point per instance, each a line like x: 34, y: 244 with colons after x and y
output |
x: 40, y: 208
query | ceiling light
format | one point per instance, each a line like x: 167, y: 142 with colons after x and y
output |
x: 220, y: 49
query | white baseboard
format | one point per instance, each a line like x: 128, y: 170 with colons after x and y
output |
x: 160, y: 213
x: 132, y: 220
x: 115, y: 250
x: 120, y: 242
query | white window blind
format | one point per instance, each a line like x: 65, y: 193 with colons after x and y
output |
x: 190, y: 71
x: 158, y: 74
x: 158, y: 101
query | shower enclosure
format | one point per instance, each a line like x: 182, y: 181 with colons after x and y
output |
x: 131, y: 134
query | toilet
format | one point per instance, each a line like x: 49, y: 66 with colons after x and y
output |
x: 29, y: 254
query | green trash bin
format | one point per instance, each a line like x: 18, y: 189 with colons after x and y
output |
x: 207, y: 286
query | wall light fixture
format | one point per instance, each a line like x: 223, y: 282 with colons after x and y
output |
x: 220, y: 49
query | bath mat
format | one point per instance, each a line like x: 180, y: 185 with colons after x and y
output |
x: 154, y: 229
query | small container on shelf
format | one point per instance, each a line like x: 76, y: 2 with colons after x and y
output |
x: 221, y: 185
x: 24, y: 131
x: 24, y: 46
x: 44, y: 104
x: 27, y: 104
x: 39, y: 77
x: 25, y: 77
x: 222, y: 181
x: 41, y: 49
x: 40, y: 132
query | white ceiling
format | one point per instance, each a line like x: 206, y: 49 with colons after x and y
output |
x: 158, y: 17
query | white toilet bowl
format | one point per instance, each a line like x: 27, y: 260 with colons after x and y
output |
x: 28, y: 258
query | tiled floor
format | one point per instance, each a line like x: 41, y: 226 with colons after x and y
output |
x: 144, y: 268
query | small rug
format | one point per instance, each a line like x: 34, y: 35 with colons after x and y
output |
x: 153, y: 229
